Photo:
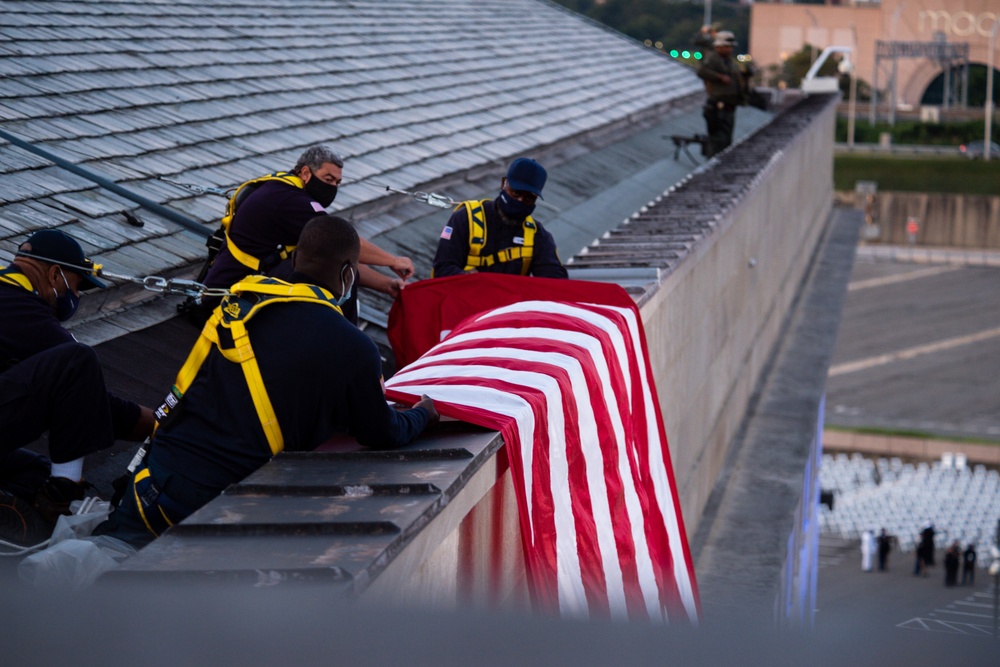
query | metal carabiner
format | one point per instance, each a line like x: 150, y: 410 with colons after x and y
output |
x: 436, y: 200
x: 185, y: 287
x: 155, y: 284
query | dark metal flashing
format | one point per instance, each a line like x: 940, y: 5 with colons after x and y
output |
x: 107, y: 184
x: 329, y: 517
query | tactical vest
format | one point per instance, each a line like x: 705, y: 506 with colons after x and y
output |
x: 242, y: 192
x: 226, y: 331
x: 477, y: 241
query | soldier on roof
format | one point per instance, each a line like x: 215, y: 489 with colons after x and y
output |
x: 50, y: 382
x: 725, y: 90
x: 265, y: 217
x: 499, y: 235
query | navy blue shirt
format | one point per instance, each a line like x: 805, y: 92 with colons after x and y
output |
x: 272, y: 215
x: 453, y: 246
x: 323, y: 377
x: 29, y: 326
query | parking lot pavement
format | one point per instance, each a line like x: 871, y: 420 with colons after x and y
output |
x: 893, y: 603
x: 918, y: 348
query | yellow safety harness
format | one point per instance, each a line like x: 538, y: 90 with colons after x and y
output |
x: 244, y: 258
x: 477, y: 241
x: 226, y: 331
x: 16, y: 278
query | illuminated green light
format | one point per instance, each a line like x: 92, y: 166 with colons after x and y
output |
x: 673, y: 53
x: 697, y: 55
x: 685, y: 54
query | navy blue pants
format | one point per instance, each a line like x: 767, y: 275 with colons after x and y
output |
x: 126, y: 522
x: 62, y: 391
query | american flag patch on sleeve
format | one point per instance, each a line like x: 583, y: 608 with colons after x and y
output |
x: 446, y: 233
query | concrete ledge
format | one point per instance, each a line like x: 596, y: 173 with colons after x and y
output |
x: 918, y: 448
x: 929, y: 255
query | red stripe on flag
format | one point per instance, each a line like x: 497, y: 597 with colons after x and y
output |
x: 588, y: 551
x: 613, y: 394
x: 623, y: 538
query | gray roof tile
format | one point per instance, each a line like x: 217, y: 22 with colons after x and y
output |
x: 407, y: 90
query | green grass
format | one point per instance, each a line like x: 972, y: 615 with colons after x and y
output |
x: 903, y: 433
x: 918, y: 174
x: 913, y: 132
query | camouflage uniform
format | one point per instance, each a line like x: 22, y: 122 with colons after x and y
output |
x: 723, y: 98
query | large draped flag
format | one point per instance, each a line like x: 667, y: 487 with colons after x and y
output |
x: 560, y: 368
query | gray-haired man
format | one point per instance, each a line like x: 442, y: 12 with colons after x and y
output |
x: 266, y: 216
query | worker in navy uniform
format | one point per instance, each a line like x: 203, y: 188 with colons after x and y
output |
x: 50, y: 382
x: 278, y: 368
x: 266, y: 216
x: 724, y: 86
x: 499, y: 235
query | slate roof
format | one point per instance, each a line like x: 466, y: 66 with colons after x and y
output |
x: 215, y: 92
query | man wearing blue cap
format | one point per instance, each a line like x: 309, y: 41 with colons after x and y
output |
x: 50, y: 382
x: 499, y: 235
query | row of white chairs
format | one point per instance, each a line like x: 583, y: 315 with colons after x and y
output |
x: 963, y: 503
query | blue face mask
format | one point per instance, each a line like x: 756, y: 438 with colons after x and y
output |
x: 66, y: 304
x: 346, y: 284
x: 514, y: 209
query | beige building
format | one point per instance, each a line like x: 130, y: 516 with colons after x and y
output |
x: 778, y: 30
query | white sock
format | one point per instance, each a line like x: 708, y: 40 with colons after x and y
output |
x: 70, y: 470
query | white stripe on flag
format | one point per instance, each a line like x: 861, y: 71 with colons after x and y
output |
x: 664, y: 495
x: 591, y: 448
x: 484, y: 398
x: 644, y: 563
x: 501, y: 342
x: 556, y: 308
x: 572, y: 595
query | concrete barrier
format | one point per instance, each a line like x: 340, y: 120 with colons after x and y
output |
x: 713, y: 322
x: 924, y: 449
x: 943, y: 220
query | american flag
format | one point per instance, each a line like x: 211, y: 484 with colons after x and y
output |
x: 568, y: 384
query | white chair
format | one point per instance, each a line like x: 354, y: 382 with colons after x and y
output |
x: 947, y: 460
x: 960, y: 461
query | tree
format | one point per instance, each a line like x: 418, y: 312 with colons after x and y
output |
x: 934, y: 94
x: 672, y: 23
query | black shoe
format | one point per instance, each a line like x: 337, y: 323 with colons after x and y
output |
x: 20, y: 523
x: 56, y: 494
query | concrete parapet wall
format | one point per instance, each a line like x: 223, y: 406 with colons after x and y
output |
x: 944, y: 220
x: 909, y: 447
x: 713, y: 322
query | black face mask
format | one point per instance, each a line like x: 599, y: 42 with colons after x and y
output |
x: 514, y: 209
x: 322, y: 192
x: 66, y: 304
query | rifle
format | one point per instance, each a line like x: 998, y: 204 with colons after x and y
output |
x: 681, y: 143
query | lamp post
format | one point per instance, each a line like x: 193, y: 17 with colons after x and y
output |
x: 708, y: 13
x: 989, y: 89
x: 812, y: 47
x: 852, y: 103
